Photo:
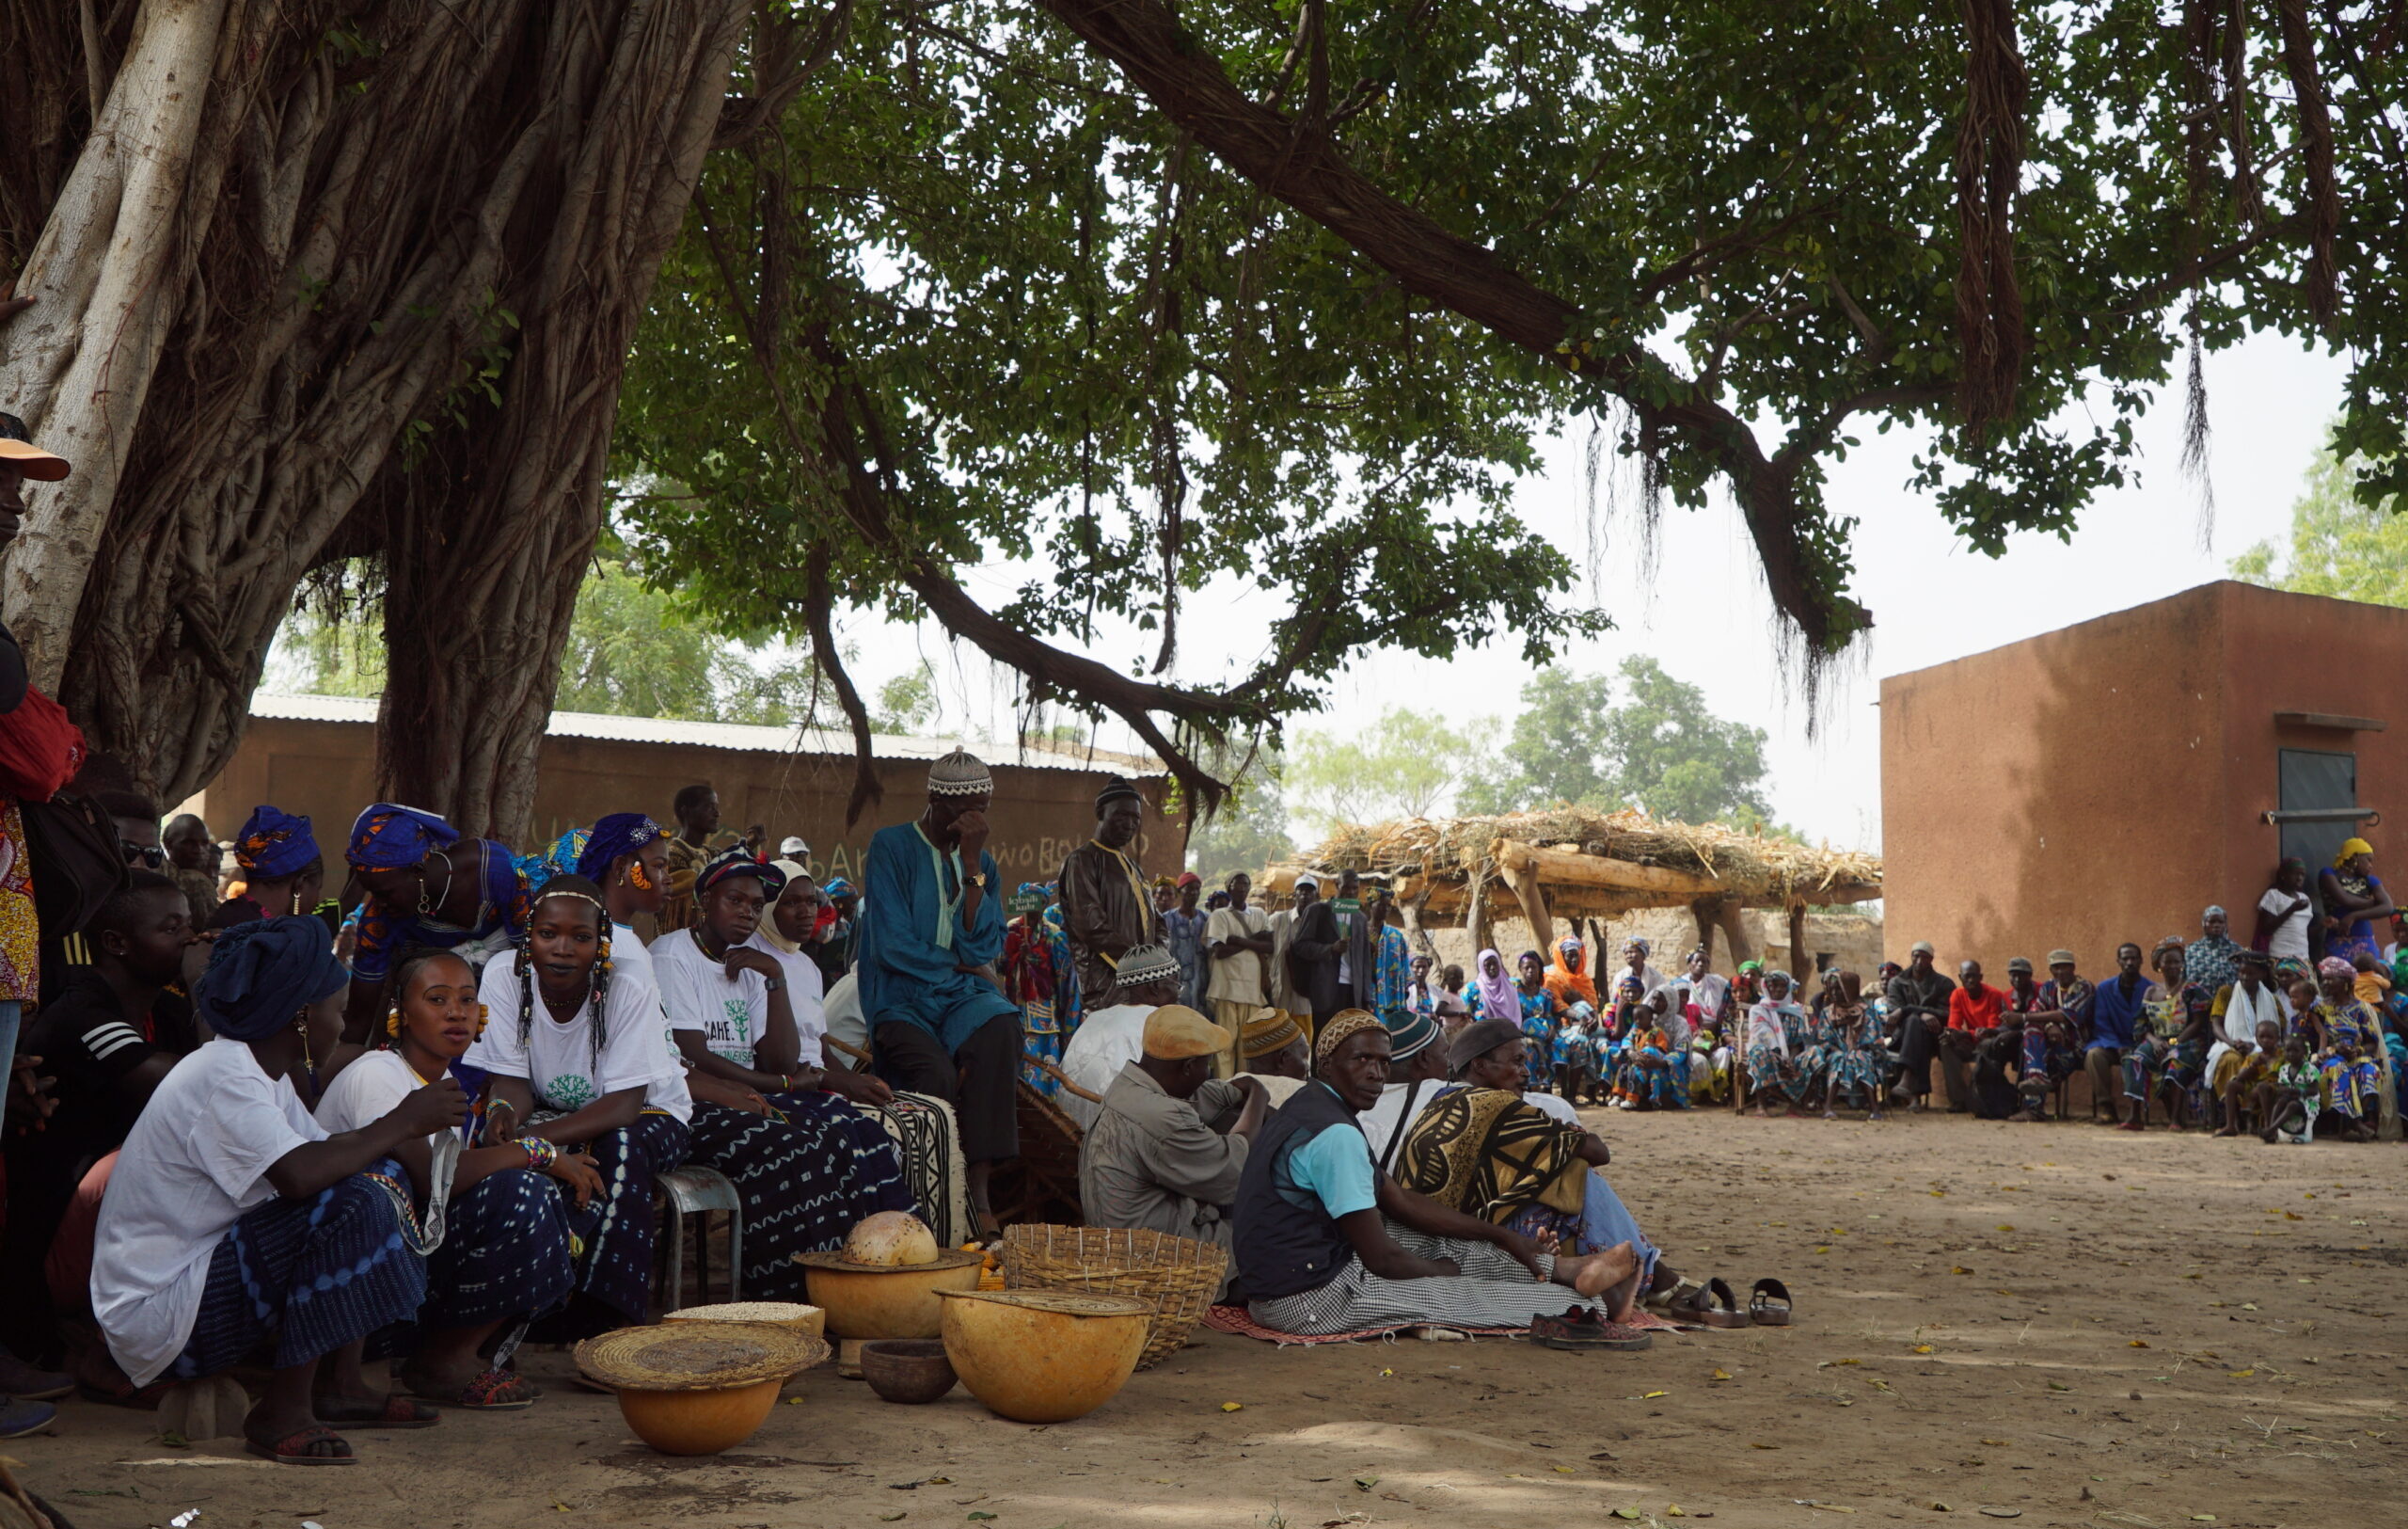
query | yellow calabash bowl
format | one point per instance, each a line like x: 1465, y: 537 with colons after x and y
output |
x: 1044, y: 1356
x: 698, y: 1422
x: 880, y: 1301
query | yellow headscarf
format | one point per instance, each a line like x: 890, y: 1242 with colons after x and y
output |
x: 2351, y: 850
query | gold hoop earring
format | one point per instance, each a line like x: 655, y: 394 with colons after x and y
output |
x: 393, y: 1024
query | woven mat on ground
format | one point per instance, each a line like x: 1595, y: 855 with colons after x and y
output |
x: 1233, y: 1319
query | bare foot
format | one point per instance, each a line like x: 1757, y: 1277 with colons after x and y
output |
x: 1593, y: 1274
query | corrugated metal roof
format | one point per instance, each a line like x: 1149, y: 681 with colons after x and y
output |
x: 738, y: 737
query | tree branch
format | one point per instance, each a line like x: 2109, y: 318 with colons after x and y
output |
x: 1306, y: 171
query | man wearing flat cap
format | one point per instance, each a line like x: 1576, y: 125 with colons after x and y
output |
x: 1166, y: 1153
x: 1107, y: 910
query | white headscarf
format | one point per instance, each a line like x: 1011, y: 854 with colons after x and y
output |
x: 793, y: 870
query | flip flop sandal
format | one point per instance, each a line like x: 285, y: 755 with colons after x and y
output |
x: 291, y: 1449
x: 396, y: 1411
x: 1762, y: 1310
x: 1721, y: 1307
x: 1684, y: 1288
x: 488, y: 1391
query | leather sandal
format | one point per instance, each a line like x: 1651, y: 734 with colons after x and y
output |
x: 1721, y: 1307
x: 1770, y: 1306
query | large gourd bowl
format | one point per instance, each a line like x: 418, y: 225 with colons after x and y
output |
x: 1044, y: 1356
x: 877, y: 1300
x: 697, y: 1388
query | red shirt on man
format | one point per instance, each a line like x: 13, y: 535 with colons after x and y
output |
x: 1968, y: 1012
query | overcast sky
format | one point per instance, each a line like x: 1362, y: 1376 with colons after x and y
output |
x: 1707, y: 619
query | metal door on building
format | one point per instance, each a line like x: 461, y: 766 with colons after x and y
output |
x: 2323, y: 786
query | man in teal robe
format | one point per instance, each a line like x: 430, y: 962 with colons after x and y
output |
x: 932, y: 928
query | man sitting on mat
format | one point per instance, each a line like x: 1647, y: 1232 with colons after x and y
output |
x: 1326, y: 1242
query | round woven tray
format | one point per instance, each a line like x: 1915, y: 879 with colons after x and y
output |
x: 1177, y: 1277
x: 697, y: 1356
x: 949, y: 1258
x: 777, y: 1313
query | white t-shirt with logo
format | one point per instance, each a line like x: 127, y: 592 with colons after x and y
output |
x: 731, y: 1013
x: 557, y: 1060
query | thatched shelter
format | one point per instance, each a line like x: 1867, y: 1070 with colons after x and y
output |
x: 1575, y: 863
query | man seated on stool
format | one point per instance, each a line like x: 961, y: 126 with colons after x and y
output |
x: 1165, y: 1152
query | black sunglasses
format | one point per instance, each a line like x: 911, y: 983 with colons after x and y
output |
x: 150, y: 855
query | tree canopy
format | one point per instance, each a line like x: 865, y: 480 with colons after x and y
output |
x: 1232, y: 294
x: 1408, y: 764
x: 2340, y: 545
x: 1288, y: 294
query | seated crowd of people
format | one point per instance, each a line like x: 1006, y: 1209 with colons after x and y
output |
x: 423, y: 1121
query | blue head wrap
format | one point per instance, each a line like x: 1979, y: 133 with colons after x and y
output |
x: 274, y: 845
x: 837, y: 887
x: 388, y: 836
x: 621, y: 833
x: 558, y: 858
x: 261, y: 974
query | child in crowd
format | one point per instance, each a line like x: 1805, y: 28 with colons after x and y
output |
x: 2344, y: 1032
x: 1538, y: 1018
x: 1574, y: 1054
x: 1709, y: 1058
x: 2254, y: 1074
x: 1647, y: 1080
x: 2372, y: 984
x: 2288, y: 1103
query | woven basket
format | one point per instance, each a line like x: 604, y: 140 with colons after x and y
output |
x: 1176, y: 1276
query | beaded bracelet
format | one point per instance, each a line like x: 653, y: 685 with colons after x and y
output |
x: 540, y: 1154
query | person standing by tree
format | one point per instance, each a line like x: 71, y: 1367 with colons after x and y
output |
x: 1315, y: 952
x: 1238, y: 938
x: 1184, y: 936
x: 933, y: 930
x: 698, y: 838
x: 1105, y: 909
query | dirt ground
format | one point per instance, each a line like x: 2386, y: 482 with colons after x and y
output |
x: 2059, y: 1322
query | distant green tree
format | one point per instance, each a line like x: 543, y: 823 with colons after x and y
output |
x: 2338, y: 547
x: 1662, y: 749
x: 906, y: 704
x: 1674, y: 757
x: 1251, y: 829
x: 1553, y: 754
x: 1406, y: 765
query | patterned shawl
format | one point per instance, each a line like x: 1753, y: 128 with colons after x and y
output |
x: 1488, y: 1153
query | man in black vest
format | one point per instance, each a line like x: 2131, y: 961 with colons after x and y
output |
x: 1326, y: 1242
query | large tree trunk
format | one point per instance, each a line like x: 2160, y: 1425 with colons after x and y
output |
x: 359, y: 287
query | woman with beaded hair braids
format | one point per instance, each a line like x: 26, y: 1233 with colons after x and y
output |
x: 578, y: 1056
x: 498, y: 1215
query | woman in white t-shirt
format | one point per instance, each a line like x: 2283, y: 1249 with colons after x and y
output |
x: 577, y: 1053
x: 807, y: 1167
x: 2285, y: 912
x: 234, y: 1219
x: 497, y: 1215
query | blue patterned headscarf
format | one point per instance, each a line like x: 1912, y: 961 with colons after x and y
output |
x: 390, y: 837
x: 558, y: 858
x: 621, y: 833
x: 274, y: 844
x: 262, y: 973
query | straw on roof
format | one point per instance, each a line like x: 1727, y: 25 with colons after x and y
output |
x: 1754, y: 866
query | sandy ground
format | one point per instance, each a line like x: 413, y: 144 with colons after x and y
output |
x: 2071, y: 1324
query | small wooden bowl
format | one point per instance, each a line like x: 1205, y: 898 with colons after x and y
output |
x: 913, y: 1371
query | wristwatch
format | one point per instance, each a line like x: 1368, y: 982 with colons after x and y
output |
x: 777, y: 984
x: 978, y: 880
